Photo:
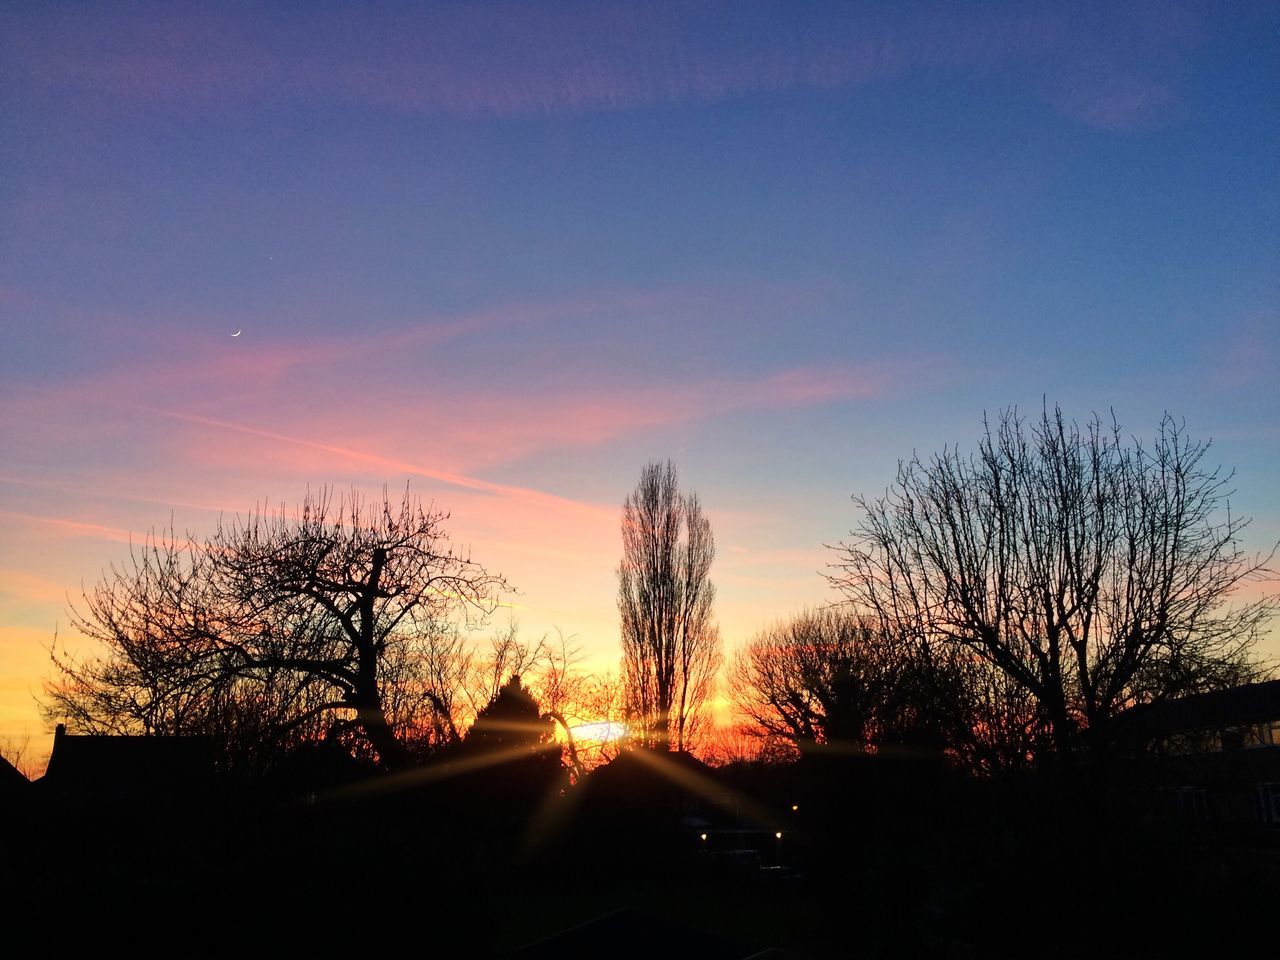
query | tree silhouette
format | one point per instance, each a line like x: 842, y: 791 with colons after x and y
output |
x: 830, y: 677
x: 670, y: 646
x: 511, y: 720
x: 1085, y: 573
x: 511, y: 748
x: 338, y: 615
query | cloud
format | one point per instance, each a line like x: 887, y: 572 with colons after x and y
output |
x: 75, y: 528
x: 447, y: 436
x: 397, y: 467
x: 520, y: 60
x: 80, y: 491
x: 139, y: 354
x: 405, y: 400
x: 1124, y: 105
x: 22, y: 585
x: 1124, y: 72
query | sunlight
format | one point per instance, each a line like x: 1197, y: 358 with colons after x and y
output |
x: 603, y: 731
x: 432, y: 773
x: 713, y: 791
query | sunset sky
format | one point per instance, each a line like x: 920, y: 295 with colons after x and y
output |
x: 509, y: 253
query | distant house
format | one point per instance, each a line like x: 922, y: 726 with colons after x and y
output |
x: 1212, y: 757
x: 1238, y: 718
x: 108, y: 768
x: 672, y: 800
x: 652, y: 785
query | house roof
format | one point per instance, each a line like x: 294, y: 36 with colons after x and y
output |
x: 11, y: 778
x: 93, y: 762
x: 639, y: 773
x: 1247, y: 704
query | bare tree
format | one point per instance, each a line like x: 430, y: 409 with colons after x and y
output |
x: 744, y: 742
x: 562, y: 688
x: 337, y: 614
x: 834, y: 678
x: 811, y: 680
x: 829, y: 677
x: 670, y: 646
x: 508, y: 655
x: 1075, y: 569
x: 426, y: 684
x: 597, y: 716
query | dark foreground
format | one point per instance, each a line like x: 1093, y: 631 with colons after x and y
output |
x: 877, y: 859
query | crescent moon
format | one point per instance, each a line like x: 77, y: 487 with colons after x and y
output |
x: 236, y: 334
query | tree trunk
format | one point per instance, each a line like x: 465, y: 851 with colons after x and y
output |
x: 368, y: 699
x: 391, y: 752
x: 574, y: 762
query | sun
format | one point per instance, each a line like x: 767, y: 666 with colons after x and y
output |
x: 602, y: 731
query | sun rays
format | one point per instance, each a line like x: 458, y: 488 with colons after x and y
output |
x: 559, y: 801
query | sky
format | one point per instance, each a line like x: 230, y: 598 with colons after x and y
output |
x: 507, y: 254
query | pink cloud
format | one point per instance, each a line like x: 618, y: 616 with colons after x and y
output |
x: 198, y: 350
x: 284, y: 414
x: 81, y: 491
x: 193, y: 354
x: 295, y: 397
x: 74, y: 528
x: 483, y: 429
x: 397, y: 467
x: 93, y: 457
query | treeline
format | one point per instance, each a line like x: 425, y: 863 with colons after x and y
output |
x: 998, y: 608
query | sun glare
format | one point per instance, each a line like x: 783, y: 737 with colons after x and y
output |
x: 603, y: 731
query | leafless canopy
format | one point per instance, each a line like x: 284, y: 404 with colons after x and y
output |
x: 1086, y: 572
x: 838, y: 679
x: 826, y: 677
x: 339, y: 613
x: 670, y: 646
